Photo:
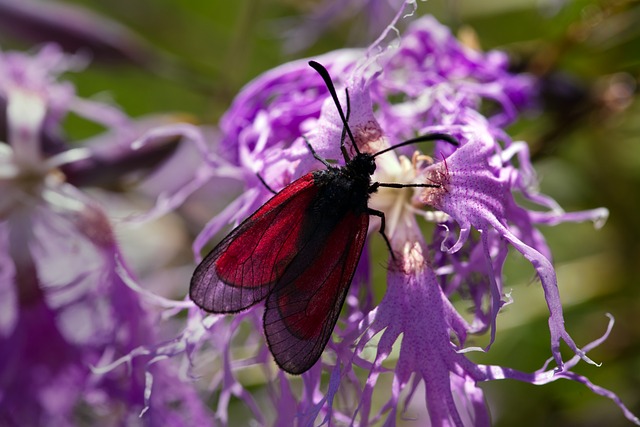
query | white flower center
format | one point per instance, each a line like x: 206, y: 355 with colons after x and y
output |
x: 24, y: 172
x: 394, y: 202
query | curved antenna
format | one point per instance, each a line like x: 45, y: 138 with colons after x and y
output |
x: 345, y: 154
x: 332, y: 90
x: 423, y: 138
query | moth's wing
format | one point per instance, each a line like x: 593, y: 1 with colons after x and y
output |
x: 245, y: 265
x: 304, y: 305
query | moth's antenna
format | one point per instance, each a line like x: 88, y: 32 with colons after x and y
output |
x: 345, y: 154
x: 423, y: 138
x: 332, y: 90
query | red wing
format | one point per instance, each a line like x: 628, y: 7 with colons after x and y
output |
x: 244, y: 267
x: 303, y: 307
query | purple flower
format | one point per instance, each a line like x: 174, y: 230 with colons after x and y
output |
x: 65, y: 306
x: 477, y: 185
x: 428, y: 83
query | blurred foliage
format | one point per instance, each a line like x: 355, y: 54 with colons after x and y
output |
x: 584, y: 137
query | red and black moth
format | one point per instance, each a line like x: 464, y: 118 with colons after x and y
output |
x: 299, y: 252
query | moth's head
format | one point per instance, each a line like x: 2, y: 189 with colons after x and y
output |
x: 363, y: 164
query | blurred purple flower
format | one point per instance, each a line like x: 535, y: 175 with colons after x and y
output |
x: 64, y: 305
x: 428, y: 83
x: 75, y: 29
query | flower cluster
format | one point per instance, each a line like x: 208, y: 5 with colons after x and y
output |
x: 65, y: 306
x: 428, y: 83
